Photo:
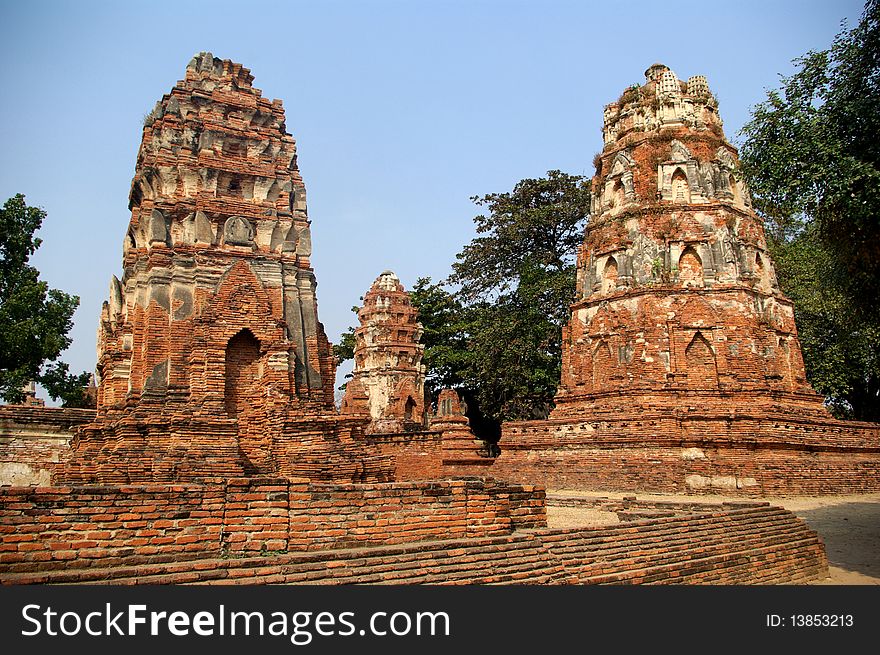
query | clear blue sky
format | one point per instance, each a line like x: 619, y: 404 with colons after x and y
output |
x: 401, y: 110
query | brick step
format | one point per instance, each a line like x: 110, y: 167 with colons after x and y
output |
x: 682, y: 561
x: 713, y: 547
x: 678, y: 525
x: 668, y: 540
x: 680, y: 544
x: 201, y: 566
x: 680, y: 555
x: 654, y: 574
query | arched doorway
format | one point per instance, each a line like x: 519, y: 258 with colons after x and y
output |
x: 242, y: 370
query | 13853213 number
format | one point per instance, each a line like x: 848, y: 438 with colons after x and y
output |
x: 822, y: 620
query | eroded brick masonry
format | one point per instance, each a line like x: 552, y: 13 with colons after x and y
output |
x: 211, y: 357
x: 388, y: 379
x: 681, y: 367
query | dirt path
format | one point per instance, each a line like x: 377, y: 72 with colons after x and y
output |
x: 849, y: 526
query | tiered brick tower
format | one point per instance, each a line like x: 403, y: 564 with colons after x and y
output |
x: 388, y: 380
x: 210, y: 353
x: 677, y: 298
x: 681, y: 366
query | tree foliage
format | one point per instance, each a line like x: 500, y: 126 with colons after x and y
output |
x: 345, y: 348
x: 535, y: 228
x: 810, y: 157
x: 516, y: 281
x: 446, y: 329
x: 497, y: 339
x: 34, y: 320
x: 841, y: 345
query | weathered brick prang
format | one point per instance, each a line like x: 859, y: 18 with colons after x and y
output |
x: 212, y: 360
x: 388, y: 380
x: 681, y: 365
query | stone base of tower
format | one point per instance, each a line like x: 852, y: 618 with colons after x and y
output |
x: 166, y: 448
x: 750, y: 445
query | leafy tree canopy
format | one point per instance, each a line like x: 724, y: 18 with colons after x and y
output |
x: 811, y: 157
x: 516, y: 281
x: 536, y: 227
x: 841, y: 346
x: 34, y: 320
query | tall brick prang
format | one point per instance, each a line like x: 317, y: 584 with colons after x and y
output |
x: 677, y: 295
x: 681, y: 365
x: 210, y: 350
x: 388, y: 379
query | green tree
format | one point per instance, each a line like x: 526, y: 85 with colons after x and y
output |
x: 811, y: 155
x: 841, y: 345
x: 446, y: 330
x: 810, y: 158
x: 34, y: 320
x: 516, y: 281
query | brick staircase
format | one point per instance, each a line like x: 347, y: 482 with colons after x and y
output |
x: 741, y: 545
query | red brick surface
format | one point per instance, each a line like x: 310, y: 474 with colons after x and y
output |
x: 681, y: 366
x: 50, y: 528
x: 718, y: 545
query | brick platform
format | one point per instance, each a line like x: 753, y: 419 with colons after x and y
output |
x: 760, y: 453
x: 755, y: 544
x: 50, y: 528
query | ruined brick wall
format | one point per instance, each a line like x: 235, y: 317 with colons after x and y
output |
x: 35, y: 441
x: 709, y: 545
x: 416, y: 455
x: 388, y: 378
x: 110, y: 525
x: 763, y: 454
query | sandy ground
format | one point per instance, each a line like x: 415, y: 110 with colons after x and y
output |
x: 849, y: 526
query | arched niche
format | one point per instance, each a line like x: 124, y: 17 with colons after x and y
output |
x: 681, y: 190
x: 762, y: 275
x: 690, y: 268
x: 603, y: 365
x: 700, y: 363
x: 734, y: 189
x: 242, y: 370
x: 409, y: 410
x: 609, y: 275
x: 618, y: 195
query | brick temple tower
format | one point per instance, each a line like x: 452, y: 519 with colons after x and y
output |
x: 388, y: 380
x: 211, y: 357
x: 677, y: 300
